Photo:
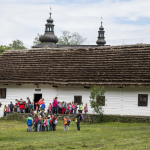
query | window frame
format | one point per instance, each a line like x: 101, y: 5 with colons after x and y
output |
x: 80, y: 99
x: 101, y: 99
x: 2, y: 92
x: 142, y: 100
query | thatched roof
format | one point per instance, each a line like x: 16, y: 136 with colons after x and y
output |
x: 113, y: 65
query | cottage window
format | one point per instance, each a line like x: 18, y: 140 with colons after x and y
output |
x: 142, y: 99
x: 101, y: 100
x: 2, y: 93
x: 78, y: 100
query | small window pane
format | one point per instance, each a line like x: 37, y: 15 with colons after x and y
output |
x: 101, y: 100
x: 78, y: 100
x: 2, y: 93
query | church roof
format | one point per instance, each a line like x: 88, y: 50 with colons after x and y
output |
x: 113, y: 65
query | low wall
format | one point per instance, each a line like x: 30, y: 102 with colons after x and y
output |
x: 91, y: 118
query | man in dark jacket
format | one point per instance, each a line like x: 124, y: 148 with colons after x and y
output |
x: 78, y: 120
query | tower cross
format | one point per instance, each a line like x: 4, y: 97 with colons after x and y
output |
x: 50, y: 11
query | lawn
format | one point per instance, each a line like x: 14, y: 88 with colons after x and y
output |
x: 109, y: 136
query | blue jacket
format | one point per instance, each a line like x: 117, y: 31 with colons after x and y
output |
x: 43, y: 106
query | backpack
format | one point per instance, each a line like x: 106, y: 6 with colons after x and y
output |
x: 50, y: 122
x: 81, y: 117
x: 65, y: 122
x: 11, y: 106
x: 46, y: 123
x: 29, y: 122
x: 55, y: 121
x: 20, y: 102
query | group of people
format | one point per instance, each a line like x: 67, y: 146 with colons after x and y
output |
x: 62, y: 107
x: 54, y: 107
x: 42, y: 123
x: 20, y: 106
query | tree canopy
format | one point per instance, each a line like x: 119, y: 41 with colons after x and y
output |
x: 36, y: 40
x: 96, y: 93
x: 17, y: 44
x: 68, y: 38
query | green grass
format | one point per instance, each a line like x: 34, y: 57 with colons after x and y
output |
x: 109, y: 136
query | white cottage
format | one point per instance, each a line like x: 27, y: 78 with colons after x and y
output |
x: 70, y: 74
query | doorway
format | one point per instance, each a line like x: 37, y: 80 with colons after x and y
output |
x: 37, y: 97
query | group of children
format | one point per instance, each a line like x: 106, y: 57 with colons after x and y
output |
x: 42, y: 123
x: 45, y: 123
x: 66, y: 108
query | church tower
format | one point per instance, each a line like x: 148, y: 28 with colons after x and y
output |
x: 48, y: 39
x: 101, y: 38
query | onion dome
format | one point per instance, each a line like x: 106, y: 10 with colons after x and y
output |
x: 101, y: 39
x: 48, y: 39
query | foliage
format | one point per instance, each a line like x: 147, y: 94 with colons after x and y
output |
x: 17, y: 44
x: 4, y: 47
x: 36, y: 40
x: 96, y: 93
x: 71, y: 39
x: 106, y: 136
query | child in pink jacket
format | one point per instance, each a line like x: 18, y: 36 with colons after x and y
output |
x: 8, y: 110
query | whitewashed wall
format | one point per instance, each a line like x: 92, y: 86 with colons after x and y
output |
x: 120, y: 101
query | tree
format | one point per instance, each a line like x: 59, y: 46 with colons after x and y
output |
x: 96, y: 93
x: 36, y: 40
x: 17, y: 44
x: 4, y: 47
x: 71, y: 39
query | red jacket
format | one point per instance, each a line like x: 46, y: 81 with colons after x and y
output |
x: 40, y: 102
x: 21, y: 106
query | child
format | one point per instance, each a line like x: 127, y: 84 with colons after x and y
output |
x: 43, y: 106
x: 41, y: 126
x: 50, y: 108
x: 8, y: 110
x: 85, y: 108
x: 29, y: 123
x: 75, y: 108
x: 45, y: 123
x: 37, y: 107
x: 70, y: 107
x: 65, y: 123
x: 81, y: 107
x: 53, y: 124
x: 48, y: 127
x: 68, y: 123
x: 5, y: 110
x: 38, y: 123
x: 35, y: 123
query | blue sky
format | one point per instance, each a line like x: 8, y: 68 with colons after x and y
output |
x: 125, y: 21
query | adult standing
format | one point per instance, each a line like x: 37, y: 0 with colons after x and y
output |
x: 55, y: 105
x: 78, y: 120
x: 85, y: 108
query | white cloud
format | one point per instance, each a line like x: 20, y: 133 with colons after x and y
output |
x: 24, y: 19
